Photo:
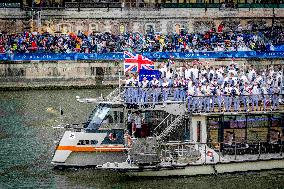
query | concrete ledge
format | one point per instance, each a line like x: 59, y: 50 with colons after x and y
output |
x: 52, y: 86
x: 163, y: 13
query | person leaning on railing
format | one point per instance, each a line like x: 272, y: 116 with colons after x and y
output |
x: 226, y: 87
x: 207, y: 97
x: 264, y: 94
x: 190, y: 94
x: 176, y: 86
x: 128, y: 89
x: 135, y: 90
x: 155, y: 84
x: 275, y: 97
x: 235, y: 92
x: 165, y: 88
x: 144, y: 89
x: 219, y: 98
x: 183, y: 89
x: 245, y: 92
x: 226, y: 95
x: 254, y: 97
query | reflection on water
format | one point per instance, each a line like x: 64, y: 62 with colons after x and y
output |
x: 27, y: 143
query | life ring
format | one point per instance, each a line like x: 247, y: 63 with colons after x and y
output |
x: 112, y: 136
x: 209, y: 153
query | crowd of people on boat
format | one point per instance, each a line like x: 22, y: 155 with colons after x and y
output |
x: 91, y: 42
x: 207, y: 88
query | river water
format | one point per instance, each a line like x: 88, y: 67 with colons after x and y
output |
x: 27, y: 144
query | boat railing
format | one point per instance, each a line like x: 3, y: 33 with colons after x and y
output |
x: 236, y: 151
x: 249, y: 149
x: 203, y: 102
x: 76, y: 127
x: 114, y: 94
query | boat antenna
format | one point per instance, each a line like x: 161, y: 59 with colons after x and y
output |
x: 61, y: 115
x: 119, y: 81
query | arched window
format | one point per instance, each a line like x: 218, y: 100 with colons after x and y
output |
x: 149, y: 28
x: 64, y: 28
x: 93, y: 27
x: 114, y: 29
x: 121, y: 28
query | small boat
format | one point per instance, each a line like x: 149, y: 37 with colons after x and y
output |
x: 169, y: 140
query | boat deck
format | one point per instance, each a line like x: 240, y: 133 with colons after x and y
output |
x: 252, y: 157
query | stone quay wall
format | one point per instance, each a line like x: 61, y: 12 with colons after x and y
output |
x: 63, y: 74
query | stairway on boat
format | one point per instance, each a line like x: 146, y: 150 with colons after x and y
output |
x: 167, y: 126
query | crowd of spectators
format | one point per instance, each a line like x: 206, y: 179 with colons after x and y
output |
x: 213, y: 40
x: 208, y: 88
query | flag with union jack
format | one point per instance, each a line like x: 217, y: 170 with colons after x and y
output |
x: 136, y: 62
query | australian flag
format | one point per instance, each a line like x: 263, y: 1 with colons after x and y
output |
x: 134, y: 63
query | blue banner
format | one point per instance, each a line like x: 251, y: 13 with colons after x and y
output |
x: 149, y: 74
x: 150, y: 55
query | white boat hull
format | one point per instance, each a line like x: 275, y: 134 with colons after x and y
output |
x: 219, y: 168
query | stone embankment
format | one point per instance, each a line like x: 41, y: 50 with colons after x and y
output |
x: 83, y: 74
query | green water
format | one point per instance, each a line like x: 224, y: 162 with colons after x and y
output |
x: 27, y: 143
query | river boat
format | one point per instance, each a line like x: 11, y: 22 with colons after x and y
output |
x: 172, y: 140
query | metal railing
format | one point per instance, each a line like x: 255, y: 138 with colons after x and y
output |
x: 11, y: 5
x: 246, y: 151
x: 205, y: 103
x: 163, y: 122
x: 250, y: 149
x: 92, y: 5
x: 170, y: 128
x: 222, y: 5
x: 114, y: 95
x: 144, y: 6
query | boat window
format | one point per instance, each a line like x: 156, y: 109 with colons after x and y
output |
x: 214, y: 124
x: 121, y: 117
x: 118, y: 116
x: 277, y: 129
x: 106, y: 116
x: 98, y: 116
x: 257, y: 128
x: 234, y: 129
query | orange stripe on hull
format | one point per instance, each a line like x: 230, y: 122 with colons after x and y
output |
x: 92, y: 149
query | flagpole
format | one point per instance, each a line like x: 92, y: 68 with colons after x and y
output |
x: 119, y: 80
x: 61, y: 114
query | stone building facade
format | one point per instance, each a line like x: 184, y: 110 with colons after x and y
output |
x: 116, y: 21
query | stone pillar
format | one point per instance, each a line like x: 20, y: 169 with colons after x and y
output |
x: 136, y: 26
x: 163, y: 26
x: 190, y: 26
